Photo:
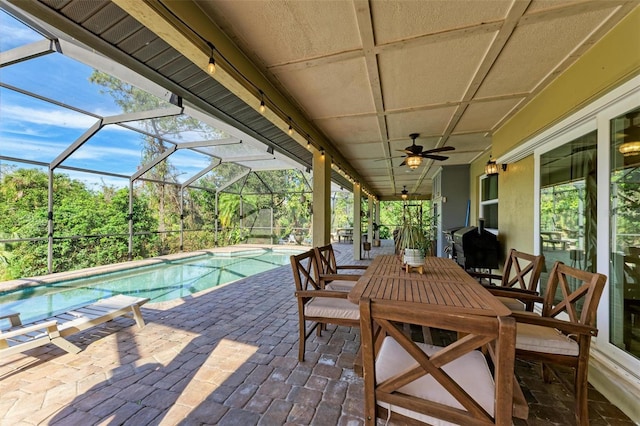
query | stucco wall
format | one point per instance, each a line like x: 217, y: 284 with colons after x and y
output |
x: 515, y: 206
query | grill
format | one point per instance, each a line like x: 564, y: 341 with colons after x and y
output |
x: 475, y: 248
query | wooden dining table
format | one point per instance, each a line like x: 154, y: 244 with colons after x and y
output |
x: 443, y: 284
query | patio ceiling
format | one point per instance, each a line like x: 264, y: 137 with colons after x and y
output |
x: 363, y: 75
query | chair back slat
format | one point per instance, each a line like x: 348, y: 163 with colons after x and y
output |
x: 580, y: 304
x: 527, y: 267
x: 326, y: 259
x: 380, y: 319
x: 305, y: 271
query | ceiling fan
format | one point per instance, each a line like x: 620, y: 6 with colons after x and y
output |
x: 415, y: 154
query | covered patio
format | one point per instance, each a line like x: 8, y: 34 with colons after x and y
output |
x: 347, y: 92
x: 226, y: 356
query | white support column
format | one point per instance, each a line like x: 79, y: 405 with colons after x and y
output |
x: 357, y: 237
x: 321, y: 199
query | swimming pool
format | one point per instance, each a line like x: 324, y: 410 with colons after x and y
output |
x: 160, y: 282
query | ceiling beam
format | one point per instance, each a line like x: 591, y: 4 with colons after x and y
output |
x: 517, y: 10
x: 365, y: 28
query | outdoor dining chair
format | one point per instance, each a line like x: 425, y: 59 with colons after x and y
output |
x: 331, y: 274
x: 410, y: 382
x: 317, y: 305
x: 521, y: 273
x: 562, y: 334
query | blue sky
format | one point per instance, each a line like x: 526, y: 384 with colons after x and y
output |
x: 36, y: 130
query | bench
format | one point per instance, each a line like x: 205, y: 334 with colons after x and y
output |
x: 21, y: 337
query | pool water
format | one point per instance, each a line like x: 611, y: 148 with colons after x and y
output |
x: 159, y: 282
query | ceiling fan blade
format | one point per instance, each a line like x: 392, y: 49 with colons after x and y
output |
x: 441, y: 149
x: 434, y: 157
x: 406, y: 151
x: 404, y: 162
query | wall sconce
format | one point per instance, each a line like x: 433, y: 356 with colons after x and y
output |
x: 270, y: 150
x: 491, y: 168
x: 405, y: 193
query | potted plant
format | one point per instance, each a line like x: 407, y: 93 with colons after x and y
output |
x: 376, y: 237
x: 410, y: 244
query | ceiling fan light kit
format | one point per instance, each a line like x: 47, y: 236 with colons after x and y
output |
x: 413, y: 162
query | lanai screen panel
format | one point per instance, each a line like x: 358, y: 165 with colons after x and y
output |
x: 80, y: 120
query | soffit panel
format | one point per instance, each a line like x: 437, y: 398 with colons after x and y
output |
x: 426, y: 122
x: 470, y: 142
x: 348, y: 130
x: 363, y: 151
x: 536, y: 49
x: 457, y: 158
x: 401, y: 20
x: 367, y: 165
x: 280, y: 32
x: 331, y: 90
x: 483, y: 116
x: 431, y: 74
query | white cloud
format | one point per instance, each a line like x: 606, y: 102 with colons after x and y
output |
x: 13, y: 35
x: 49, y: 117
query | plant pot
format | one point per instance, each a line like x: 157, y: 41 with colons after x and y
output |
x: 376, y: 243
x: 413, y: 257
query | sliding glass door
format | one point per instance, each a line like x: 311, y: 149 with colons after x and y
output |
x: 624, y: 277
x: 568, y: 203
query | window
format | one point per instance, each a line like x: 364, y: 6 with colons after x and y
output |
x: 489, y: 201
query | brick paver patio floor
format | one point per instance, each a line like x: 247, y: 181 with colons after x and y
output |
x: 227, y: 356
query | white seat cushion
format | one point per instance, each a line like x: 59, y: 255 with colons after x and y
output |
x: 544, y: 339
x: 470, y: 371
x: 341, y: 285
x: 513, y: 304
x: 331, y: 307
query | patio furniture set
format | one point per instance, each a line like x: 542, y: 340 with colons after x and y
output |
x: 471, y: 380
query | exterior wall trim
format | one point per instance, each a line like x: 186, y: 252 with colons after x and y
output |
x: 578, y: 118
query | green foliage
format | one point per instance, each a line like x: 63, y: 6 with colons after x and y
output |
x: 78, y: 213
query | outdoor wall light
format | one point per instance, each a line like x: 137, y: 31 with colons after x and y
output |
x: 491, y: 168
